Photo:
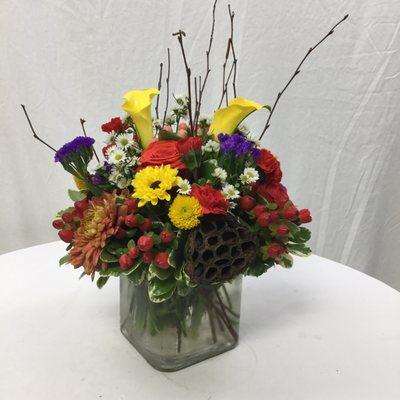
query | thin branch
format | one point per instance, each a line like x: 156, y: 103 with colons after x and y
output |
x: 84, y: 132
x: 228, y: 48
x: 296, y: 72
x: 232, y: 16
x: 159, y: 88
x: 196, y: 100
x: 33, y: 130
x: 208, y: 69
x: 180, y: 35
x: 225, y: 88
x: 167, y: 82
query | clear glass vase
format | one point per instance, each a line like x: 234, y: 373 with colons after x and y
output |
x: 181, y: 331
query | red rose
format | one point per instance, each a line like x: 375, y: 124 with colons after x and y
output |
x: 162, y: 152
x: 211, y: 200
x: 273, y: 192
x: 115, y: 124
x: 189, y: 144
x: 270, y: 166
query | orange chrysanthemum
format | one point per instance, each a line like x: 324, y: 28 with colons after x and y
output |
x: 98, y: 224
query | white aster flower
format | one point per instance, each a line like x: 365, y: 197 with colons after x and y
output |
x: 210, y: 146
x: 115, y: 155
x: 250, y: 175
x: 122, y: 182
x: 213, y: 161
x: 220, y: 173
x: 184, y: 187
x: 229, y: 192
x: 124, y: 140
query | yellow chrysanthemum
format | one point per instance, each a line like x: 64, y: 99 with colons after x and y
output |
x: 185, y: 212
x: 152, y: 184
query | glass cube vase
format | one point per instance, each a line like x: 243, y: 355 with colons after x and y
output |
x: 181, y: 331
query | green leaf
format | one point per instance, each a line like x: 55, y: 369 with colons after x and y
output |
x: 159, y: 273
x: 64, y: 260
x: 108, y: 257
x: 101, y: 281
x: 134, y: 267
x: 192, y: 159
x: 299, y: 249
x: 131, y: 244
x: 286, y: 261
x: 293, y: 228
x: 111, y: 271
x: 259, y: 266
x: 138, y: 274
x: 76, y: 195
x: 164, y: 135
x: 160, y: 290
x: 302, y: 235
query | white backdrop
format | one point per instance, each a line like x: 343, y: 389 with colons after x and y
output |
x: 336, y: 131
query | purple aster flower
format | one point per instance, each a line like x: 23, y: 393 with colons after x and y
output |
x: 75, y: 146
x: 108, y: 167
x: 238, y: 145
x: 97, y: 179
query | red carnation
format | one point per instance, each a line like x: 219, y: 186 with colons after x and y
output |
x: 189, y: 144
x: 162, y: 152
x: 273, y: 192
x: 105, y: 149
x: 270, y: 166
x: 114, y: 125
x: 211, y: 200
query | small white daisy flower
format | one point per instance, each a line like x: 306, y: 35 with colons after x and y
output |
x: 213, y: 161
x: 229, y: 192
x: 220, y: 173
x: 122, y: 182
x: 115, y: 155
x: 184, y: 187
x: 250, y: 175
x: 124, y: 141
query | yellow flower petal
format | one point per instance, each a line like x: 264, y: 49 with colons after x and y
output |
x: 227, y: 119
x: 138, y: 105
x: 80, y: 184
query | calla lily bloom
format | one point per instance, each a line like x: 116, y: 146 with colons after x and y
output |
x: 227, y: 119
x: 138, y: 105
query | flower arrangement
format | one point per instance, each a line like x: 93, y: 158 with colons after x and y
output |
x: 180, y: 201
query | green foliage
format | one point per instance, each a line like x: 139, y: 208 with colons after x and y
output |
x: 64, y: 260
x: 108, y: 257
x: 192, y: 159
x: 165, y: 135
x: 259, y: 266
x: 161, y: 290
x: 302, y: 235
x: 101, y: 281
x: 286, y: 260
x: 77, y: 195
x: 156, y: 272
x: 299, y: 249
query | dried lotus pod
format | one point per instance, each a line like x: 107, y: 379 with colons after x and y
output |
x: 218, y: 249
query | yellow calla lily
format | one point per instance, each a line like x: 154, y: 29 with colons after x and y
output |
x: 138, y: 105
x: 80, y: 184
x: 227, y: 119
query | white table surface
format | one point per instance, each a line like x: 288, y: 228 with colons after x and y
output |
x: 318, y: 331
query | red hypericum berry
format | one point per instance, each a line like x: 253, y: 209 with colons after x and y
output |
x: 131, y: 221
x: 146, y: 224
x: 134, y: 252
x: 58, y: 223
x: 275, y: 250
x: 125, y: 261
x: 67, y: 217
x: 305, y: 216
x: 66, y: 236
x: 81, y: 204
x: 273, y: 216
x: 246, y: 202
x: 132, y: 205
x: 166, y: 236
x: 161, y: 260
x: 120, y: 234
x: 148, y: 257
x: 77, y: 213
x: 282, y: 230
x: 291, y: 213
x: 263, y: 219
x: 145, y: 243
x: 259, y: 209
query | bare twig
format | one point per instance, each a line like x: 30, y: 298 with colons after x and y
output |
x: 180, y: 35
x: 208, y: 69
x: 196, y: 100
x: 33, y: 130
x: 232, y: 16
x: 225, y: 88
x: 167, y: 82
x: 84, y: 132
x: 296, y: 72
x: 159, y: 88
